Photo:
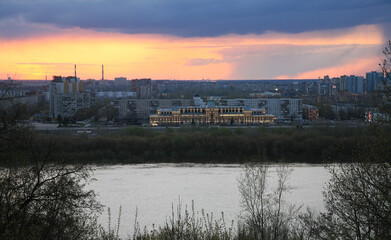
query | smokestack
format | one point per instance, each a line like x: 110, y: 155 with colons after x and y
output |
x: 103, y: 75
x: 75, y: 74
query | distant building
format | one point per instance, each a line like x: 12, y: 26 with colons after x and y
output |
x: 142, y: 87
x: 353, y: 84
x: 12, y: 93
x: 376, y: 117
x: 67, y: 96
x: 264, y: 94
x: 210, y: 115
x: 373, y: 81
x: 324, y: 89
x: 198, y: 102
x: 310, y: 112
x: 281, y: 108
x: 67, y: 104
x: 359, y: 84
x: 214, y: 98
x: 118, y: 94
x: 139, y: 110
x: 120, y: 81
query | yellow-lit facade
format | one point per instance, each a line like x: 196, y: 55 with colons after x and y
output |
x: 211, y: 115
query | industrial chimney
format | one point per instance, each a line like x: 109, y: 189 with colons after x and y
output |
x: 103, y: 74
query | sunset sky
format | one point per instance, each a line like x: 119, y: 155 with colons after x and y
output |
x: 189, y: 39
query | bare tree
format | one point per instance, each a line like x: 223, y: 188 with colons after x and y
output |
x: 386, y: 64
x: 358, y: 196
x: 384, y: 96
x: 41, y: 196
x: 11, y: 114
x: 267, y: 215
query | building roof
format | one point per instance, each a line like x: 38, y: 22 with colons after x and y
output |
x: 211, y: 104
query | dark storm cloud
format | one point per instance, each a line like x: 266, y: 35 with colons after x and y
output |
x: 198, y: 17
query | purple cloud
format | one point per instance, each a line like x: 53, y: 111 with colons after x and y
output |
x: 196, y: 18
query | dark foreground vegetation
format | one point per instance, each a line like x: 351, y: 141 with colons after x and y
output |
x: 217, y: 145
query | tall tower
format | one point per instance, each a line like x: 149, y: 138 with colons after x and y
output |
x: 75, y: 74
x: 103, y: 74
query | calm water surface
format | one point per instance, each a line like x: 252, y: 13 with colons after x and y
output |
x: 152, y: 188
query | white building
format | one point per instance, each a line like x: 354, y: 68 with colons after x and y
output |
x: 119, y: 94
x: 279, y: 107
x: 198, y: 102
x: 67, y: 104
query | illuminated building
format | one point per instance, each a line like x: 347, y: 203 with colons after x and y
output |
x: 210, y: 115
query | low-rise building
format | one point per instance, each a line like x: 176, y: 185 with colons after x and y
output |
x: 211, y: 115
x: 376, y: 117
x: 310, y: 112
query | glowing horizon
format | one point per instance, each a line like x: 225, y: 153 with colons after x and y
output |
x: 271, y: 55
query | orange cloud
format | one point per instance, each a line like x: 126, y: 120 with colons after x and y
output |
x: 160, y: 56
x: 358, y: 67
x: 131, y: 56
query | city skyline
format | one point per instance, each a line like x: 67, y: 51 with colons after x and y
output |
x: 192, y: 40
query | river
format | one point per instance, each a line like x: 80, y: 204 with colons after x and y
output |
x: 153, y: 188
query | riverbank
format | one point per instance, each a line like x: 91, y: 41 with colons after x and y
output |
x: 209, y: 145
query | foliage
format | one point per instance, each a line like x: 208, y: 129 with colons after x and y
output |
x: 136, y: 131
x: 205, y: 145
x: 109, y: 112
x: 84, y: 113
x: 326, y: 111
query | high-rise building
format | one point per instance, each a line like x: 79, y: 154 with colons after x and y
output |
x: 343, y: 86
x: 374, y: 81
x: 353, y: 84
x: 142, y: 87
x: 67, y: 96
x: 359, y: 84
x: 120, y: 81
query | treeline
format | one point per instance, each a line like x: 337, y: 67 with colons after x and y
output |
x: 212, y: 145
